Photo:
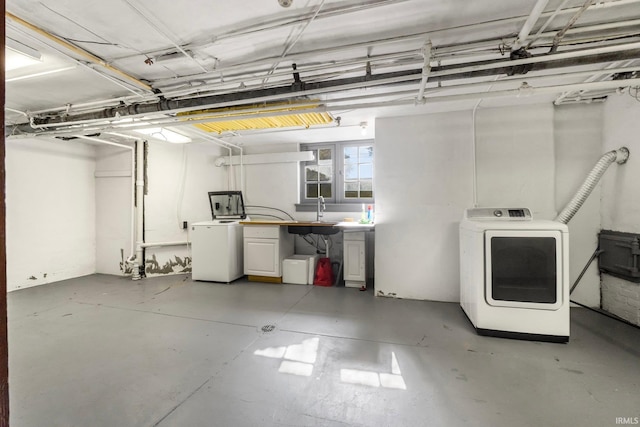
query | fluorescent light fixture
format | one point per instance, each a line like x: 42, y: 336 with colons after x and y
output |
x: 44, y: 73
x: 165, y: 135
x: 20, y: 55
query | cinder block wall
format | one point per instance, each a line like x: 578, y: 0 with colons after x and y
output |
x: 620, y: 203
x: 621, y: 298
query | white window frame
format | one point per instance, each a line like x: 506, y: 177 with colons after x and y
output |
x: 338, y: 173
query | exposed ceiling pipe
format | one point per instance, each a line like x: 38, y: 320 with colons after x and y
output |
x: 293, y: 43
x: 81, y: 52
x: 524, y: 90
x: 538, y: 8
x: 574, y: 18
x: 547, y: 23
x: 426, y: 70
x: 299, y: 56
x: 145, y: 15
x: 535, y: 63
x: 303, y: 69
x: 578, y: 57
x: 243, y: 70
x: 608, y: 70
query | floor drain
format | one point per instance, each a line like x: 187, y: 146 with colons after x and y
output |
x: 268, y: 328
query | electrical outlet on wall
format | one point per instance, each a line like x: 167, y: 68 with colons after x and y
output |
x: 185, y: 225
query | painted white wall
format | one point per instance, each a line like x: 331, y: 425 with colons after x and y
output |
x: 424, y: 183
x: 424, y: 179
x: 179, y: 176
x: 578, y: 146
x: 274, y: 184
x: 50, y: 222
x: 113, y: 209
x: 515, y: 158
x: 620, y: 201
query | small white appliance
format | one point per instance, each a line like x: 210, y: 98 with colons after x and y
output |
x: 514, y: 274
x: 216, y: 245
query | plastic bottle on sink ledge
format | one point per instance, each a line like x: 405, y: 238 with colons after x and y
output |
x: 367, y: 214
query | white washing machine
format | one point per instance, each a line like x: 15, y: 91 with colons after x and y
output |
x: 514, y: 274
x: 216, y: 246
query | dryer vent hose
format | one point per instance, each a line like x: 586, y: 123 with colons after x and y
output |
x: 620, y: 156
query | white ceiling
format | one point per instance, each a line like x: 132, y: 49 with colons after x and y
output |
x: 98, y: 55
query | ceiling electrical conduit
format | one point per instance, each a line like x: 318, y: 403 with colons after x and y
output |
x: 619, y: 156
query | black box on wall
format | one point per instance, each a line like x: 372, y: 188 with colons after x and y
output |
x: 620, y: 254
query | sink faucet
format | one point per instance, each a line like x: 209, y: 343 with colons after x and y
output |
x: 321, y: 208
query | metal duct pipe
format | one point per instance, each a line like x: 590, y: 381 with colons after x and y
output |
x: 620, y: 156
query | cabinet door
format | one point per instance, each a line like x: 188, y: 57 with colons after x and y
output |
x: 354, y: 260
x: 261, y: 257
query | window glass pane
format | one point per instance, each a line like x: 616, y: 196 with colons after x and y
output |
x: 351, y: 190
x: 324, y: 156
x: 351, y: 171
x: 311, y: 173
x: 325, y: 173
x: 351, y: 154
x: 366, y: 171
x: 312, y: 191
x: 326, y: 190
x: 366, y: 189
x: 524, y: 269
x: 366, y: 154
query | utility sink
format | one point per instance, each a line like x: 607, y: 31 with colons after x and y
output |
x: 314, y: 227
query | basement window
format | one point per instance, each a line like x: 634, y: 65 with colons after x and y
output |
x: 342, y: 173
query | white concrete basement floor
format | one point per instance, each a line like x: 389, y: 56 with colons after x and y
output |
x: 106, y: 351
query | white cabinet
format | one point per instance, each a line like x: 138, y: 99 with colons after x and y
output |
x: 354, y: 261
x: 265, y: 247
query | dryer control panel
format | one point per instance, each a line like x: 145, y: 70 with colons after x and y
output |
x: 504, y: 214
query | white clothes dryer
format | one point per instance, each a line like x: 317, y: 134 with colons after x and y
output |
x: 514, y: 274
